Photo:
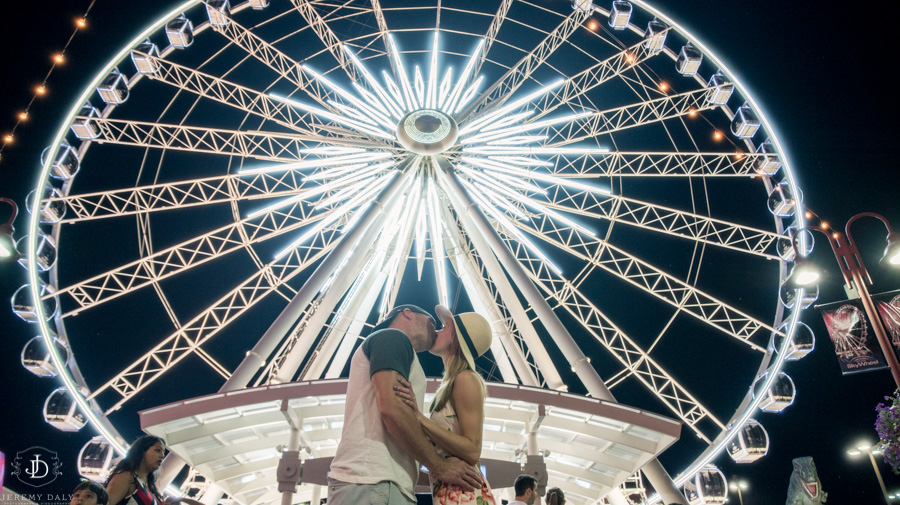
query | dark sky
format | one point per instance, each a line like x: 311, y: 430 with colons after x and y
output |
x: 822, y: 73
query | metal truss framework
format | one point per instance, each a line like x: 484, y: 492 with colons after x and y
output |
x: 506, y: 86
x: 278, y: 147
x: 248, y: 100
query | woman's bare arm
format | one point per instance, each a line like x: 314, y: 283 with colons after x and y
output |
x: 468, y: 402
x: 120, y: 486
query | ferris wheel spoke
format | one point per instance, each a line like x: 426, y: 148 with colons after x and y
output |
x: 267, y: 224
x: 618, y: 119
x: 579, y: 84
x: 666, y: 220
x: 181, y: 194
x: 284, y: 148
x: 679, y: 294
x: 244, y: 186
x: 347, y: 324
x: 248, y: 100
x: 639, y: 363
x: 650, y: 164
x: 174, y: 348
x: 281, y: 63
x: 518, y: 74
x: 491, y: 35
x: 331, y: 41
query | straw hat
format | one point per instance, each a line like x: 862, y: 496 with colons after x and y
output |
x: 472, y: 331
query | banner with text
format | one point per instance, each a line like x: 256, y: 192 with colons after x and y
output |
x: 851, y: 333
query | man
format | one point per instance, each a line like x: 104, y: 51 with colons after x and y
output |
x: 375, y: 463
x: 526, y: 490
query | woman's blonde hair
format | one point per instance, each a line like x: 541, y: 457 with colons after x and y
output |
x: 455, y: 365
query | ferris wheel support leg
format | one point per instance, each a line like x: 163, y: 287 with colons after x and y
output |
x: 362, y: 295
x: 580, y: 364
x: 212, y: 495
x: 285, y: 321
x: 342, y: 283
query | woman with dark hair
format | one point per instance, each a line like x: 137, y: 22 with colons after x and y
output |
x: 555, y: 496
x: 133, y: 480
x: 457, y: 412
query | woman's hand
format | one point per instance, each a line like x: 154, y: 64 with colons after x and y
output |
x: 404, y: 391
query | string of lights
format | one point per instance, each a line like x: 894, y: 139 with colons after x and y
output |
x: 41, y: 89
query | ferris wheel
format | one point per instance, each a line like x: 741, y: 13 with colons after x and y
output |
x: 244, y: 188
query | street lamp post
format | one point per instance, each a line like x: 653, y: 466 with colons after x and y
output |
x: 867, y: 449
x: 739, y: 486
x: 856, y: 276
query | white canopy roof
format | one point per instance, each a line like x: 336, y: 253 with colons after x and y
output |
x: 234, y: 439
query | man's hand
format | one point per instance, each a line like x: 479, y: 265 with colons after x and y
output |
x: 456, y: 471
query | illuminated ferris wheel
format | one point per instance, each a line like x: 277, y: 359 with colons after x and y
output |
x: 244, y: 189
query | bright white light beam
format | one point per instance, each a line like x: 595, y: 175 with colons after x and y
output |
x: 349, y: 97
x: 333, y: 216
x: 476, y: 195
x: 404, y: 79
x: 388, y: 101
x: 455, y: 94
x: 437, y: 244
x: 501, y: 177
x: 526, y: 150
x: 538, y: 207
x: 497, y: 166
x: 320, y: 162
x: 339, y: 171
x: 334, y: 117
x: 510, y: 107
x: 537, y: 125
x: 521, y: 139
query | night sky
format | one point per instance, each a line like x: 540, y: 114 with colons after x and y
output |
x: 823, y: 75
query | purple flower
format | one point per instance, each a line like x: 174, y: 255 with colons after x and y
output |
x: 887, y: 425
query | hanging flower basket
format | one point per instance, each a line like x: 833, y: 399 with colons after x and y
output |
x: 887, y: 424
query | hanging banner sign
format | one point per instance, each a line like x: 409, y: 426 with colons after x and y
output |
x: 888, y: 305
x: 855, y: 343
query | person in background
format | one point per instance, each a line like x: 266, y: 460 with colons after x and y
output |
x: 133, y: 480
x: 555, y: 496
x: 526, y: 490
x: 89, y: 493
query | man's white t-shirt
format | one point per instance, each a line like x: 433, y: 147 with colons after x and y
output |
x: 367, y: 454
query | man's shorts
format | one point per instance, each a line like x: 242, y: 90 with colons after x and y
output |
x: 383, y: 493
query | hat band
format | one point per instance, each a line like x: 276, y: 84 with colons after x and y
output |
x: 465, y: 335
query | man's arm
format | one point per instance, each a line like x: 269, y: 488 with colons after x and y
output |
x: 401, y: 423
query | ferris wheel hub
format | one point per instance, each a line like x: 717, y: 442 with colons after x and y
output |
x: 427, y: 131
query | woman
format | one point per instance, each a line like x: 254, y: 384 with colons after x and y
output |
x: 133, y: 480
x: 457, y: 412
x: 555, y: 496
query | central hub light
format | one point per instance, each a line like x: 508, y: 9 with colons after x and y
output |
x: 427, y: 131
